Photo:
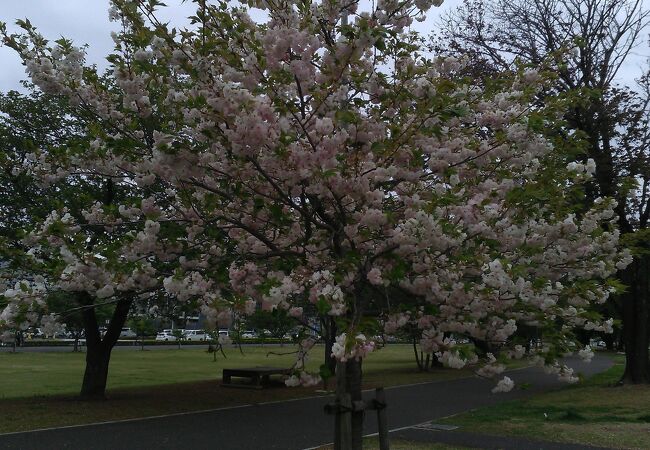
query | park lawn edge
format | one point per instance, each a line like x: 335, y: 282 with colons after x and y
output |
x: 596, y: 412
x: 43, y: 412
x: 372, y: 443
x: 26, y: 413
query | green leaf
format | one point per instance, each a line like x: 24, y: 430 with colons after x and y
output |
x: 346, y: 116
x: 325, y: 372
x: 323, y: 306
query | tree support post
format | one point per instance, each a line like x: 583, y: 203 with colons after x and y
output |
x: 343, y: 407
x: 382, y: 418
x: 343, y: 411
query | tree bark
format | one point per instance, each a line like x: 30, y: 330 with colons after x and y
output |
x: 636, y: 334
x: 98, y: 349
x: 415, y: 352
x: 328, y: 330
x: 96, y: 373
x: 423, y: 361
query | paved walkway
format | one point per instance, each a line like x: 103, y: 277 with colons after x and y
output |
x: 286, y: 425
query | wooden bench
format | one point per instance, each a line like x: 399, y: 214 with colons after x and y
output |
x: 259, y: 377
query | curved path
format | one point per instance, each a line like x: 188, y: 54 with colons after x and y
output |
x: 286, y: 425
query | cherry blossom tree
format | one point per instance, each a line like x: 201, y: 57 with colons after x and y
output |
x: 602, y: 36
x: 319, y: 154
x: 93, y: 252
x: 83, y: 263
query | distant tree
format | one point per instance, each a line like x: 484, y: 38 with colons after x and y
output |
x: 37, y: 129
x: 180, y: 337
x: 29, y: 122
x: 142, y: 326
x: 587, y: 41
x: 277, y: 322
x: 72, y: 319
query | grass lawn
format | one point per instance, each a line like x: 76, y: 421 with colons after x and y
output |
x: 372, y: 443
x: 31, y: 374
x: 594, y: 412
x: 38, y: 390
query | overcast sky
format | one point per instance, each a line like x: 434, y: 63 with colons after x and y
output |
x: 86, y: 22
x: 82, y: 21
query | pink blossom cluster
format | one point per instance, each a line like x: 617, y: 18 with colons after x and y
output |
x: 345, y: 348
x: 25, y: 303
x: 491, y: 367
x: 504, y: 385
x: 304, y: 379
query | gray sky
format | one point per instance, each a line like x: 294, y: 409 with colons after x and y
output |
x: 82, y: 21
x: 86, y: 22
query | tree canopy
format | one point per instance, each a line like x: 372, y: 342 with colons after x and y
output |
x: 321, y: 155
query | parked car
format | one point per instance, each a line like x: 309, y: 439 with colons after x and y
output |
x: 175, y: 331
x: 195, y: 335
x: 168, y: 335
x: 128, y: 333
x: 223, y: 332
x: 291, y: 335
x: 597, y: 343
x: 63, y: 334
x: 248, y: 334
x: 34, y: 333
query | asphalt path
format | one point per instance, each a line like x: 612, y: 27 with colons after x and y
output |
x: 287, y: 425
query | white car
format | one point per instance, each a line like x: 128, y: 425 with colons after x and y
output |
x: 249, y: 334
x: 127, y: 333
x: 168, y: 335
x: 195, y: 335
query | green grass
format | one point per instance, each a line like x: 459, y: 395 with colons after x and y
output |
x: 594, y: 412
x: 60, y: 373
x: 372, y: 443
x: 30, y: 373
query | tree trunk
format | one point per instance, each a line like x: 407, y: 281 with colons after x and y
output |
x: 329, y: 335
x: 96, y: 374
x: 636, y: 334
x: 419, y: 357
x: 98, y: 350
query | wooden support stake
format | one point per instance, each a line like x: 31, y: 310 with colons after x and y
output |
x: 345, y: 416
x: 343, y: 421
x: 382, y: 419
